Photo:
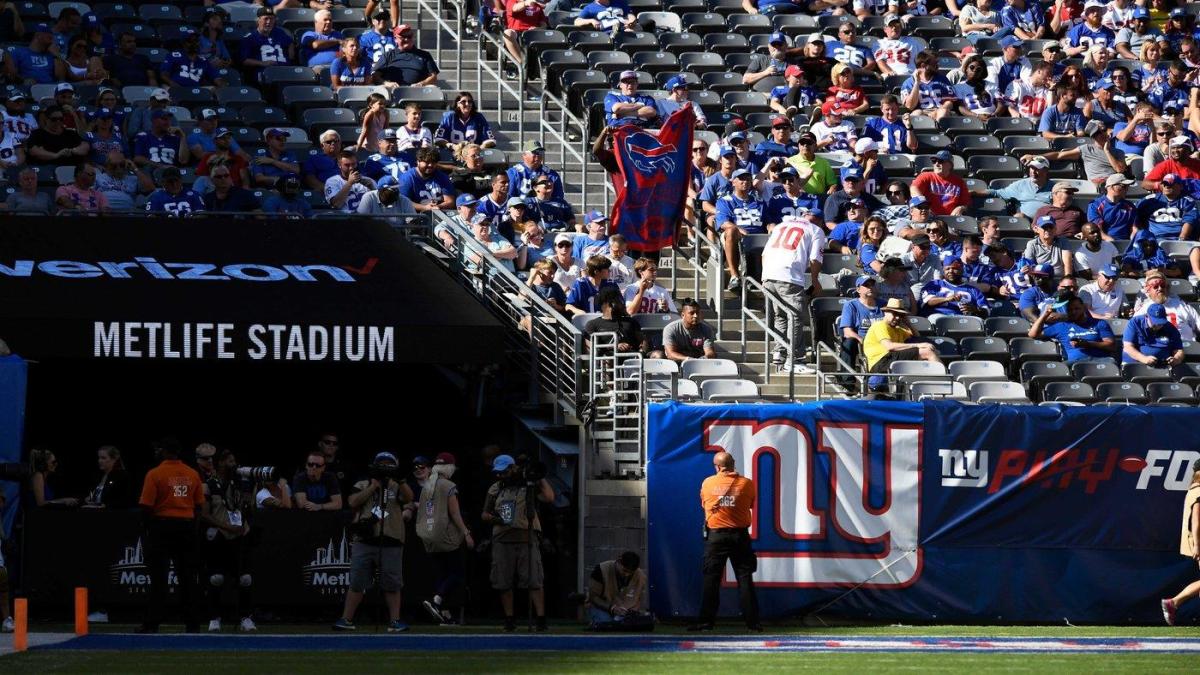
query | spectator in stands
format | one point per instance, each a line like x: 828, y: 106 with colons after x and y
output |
x: 374, y: 121
x: 521, y: 16
x: 977, y: 271
x: 845, y: 94
x: 788, y: 98
x: 319, y: 45
x: 51, y: 143
x: 926, y: 92
x: 856, y: 319
x: 976, y: 21
x: 894, y: 283
x: 1158, y: 149
x: 774, y: 63
x: 494, y: 205
x: 345, y: 190
x: 891, y: 130
x: 645, y: 296
x: 895, y: 54
x: 816, y: 174
x: 832, y: 132
x: 614, y: 319
x: 791, y: 263
x: 844, y: 49
x: 626, y: 106
x: 289, y: 202
x: 18, y: 123
x: 378, y: 39
x: 425, y: 185
x: 541, y: 280
x: 277, y: 162
x: 464, y: 125
x: 406, y: 65
x: 212, y: 37
x: 581, y: 298
x: 1063, y: 119
x: 1100, y: 157
x: 351, y: 68
x: 1068, y: 218
x: 1095, y: 253
x: 203, y: 138
x: 164, y: 145
x: 676, y: 98
x: 187, y: 68
x: 597, y: 240
x: 1144, y: 254
x: 1081, y: 337
x: 1090, y: 31
x: 1169, y: 214
x: 266, y: 45
x: 925, y: 266
x: 173, y: 198
x: 946, y: 191
x: 223, y: 154
x: 64, y: 97
x: 790, y: 200
x: 516, y: 214
x: 566, y: 268
x: 139, y: 121
x: 916, y: 223
x: 83, y: 66
x: 65, y: 25
x: 1134, y: 136
x: 121, y: 182
x: 621, y: 272
x: 1179, y: 162
x: 1138, y: 32
x: 520, y: 176
x: 719, y: 184
x: 1039, y: 294
x: 1104, y: 107
x: 976, y: 96
x: 389, y: 161
x: 952, y: 294
x: 470, y: 175
x: 773, y: 7
x: 26, y: 199
x: 1024, y: 21
x: 607, y: 16
x: 897, y: 207
x: 12, y: 155
x: 315, y: 490
x: 534, y: 244
x: 1182, y: 315
x: 1032, y: 192
x: 37, y: 63
x: 1049, y: 246
x: 386, y: 200
x: 81, y: 197
x: 778, y: 145
x: 42, y: 482
x: 1031, y: 97
x: 1102, y: 297
x: 738, y: 215
x: 553, y: 214
x: 1151, y: 339
x: 689, y: 337
x: 412, y: 134
x: 127, y: 68
x: 225, y: 196
x: 892, y: 339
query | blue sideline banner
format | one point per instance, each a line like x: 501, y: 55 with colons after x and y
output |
x: 13, y: 373
x: 932, y: 511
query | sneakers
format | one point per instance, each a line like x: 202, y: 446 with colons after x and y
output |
x: 778, y: 358
x: 510, y: 624
x: 397, y: 626
x: 735, y: 283
x: 344, y: 624
x: 8, y: 626
x: 98, y: 617
x: 434, y: 610
x: 797, y: 368
x: 1168, y: 609
x: 247, y: 625
x: 703, y: 626
x: 214, y: 626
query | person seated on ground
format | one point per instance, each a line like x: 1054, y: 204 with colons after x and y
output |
x: 645, y: 296
x: 1080, y: 337
x: 617, y: 593
x: 892, y: 339
x: 1151, y: 339
x: 613, y: 319
x: 581, y: 299
x: 313, y: 489
x: 689, y: 337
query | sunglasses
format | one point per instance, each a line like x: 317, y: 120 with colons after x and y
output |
x: 314, y: 465
x: 895, y: 193
x: 563, y: 244
x: 700, y: 149
x: 204, y: 458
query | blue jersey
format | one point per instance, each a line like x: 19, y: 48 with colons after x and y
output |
x: 1092, y: 330
x: 859, y: 317
x: 188, y: 72
x: 318, y: 57
x: 746, y: 214
x: 940, y: 288
x: 454, y: 130
x: 182, y: 204
x: 554, y: 214
x: 807, y: 96
x: 208, y: 142
x: 272, y: 170
x: 933, y: 93
x: 850, y: 54
x: 495, y: 214
x: 321, y: 166
x: 715, y: 187
x: 1115, y: 219
x: 163, y: 150
x: 1059, y: 122
x: 34, y: 66
x: 379, y: 165
x: 1014, y: 280
x: 277, y: 204
x: 585, y: 247
x: 348, y: 76
x: 1146, y: 78
x: 848, y: 233
x: 1083, y: 35
x: 609, y: 16
x: 421, y: 190
x: 272, y: 48
x: 101, y: 147
x: 768, y: 149
x: 980, y: 272
x: 612, y: 99
x: 1165, y: 217
x: 867, y: 253
x: 520, y: 181
x: 375, y: 45
x: 781, y: 205
x: 872, y: 182
x: 951, y: 248
x: 1164, y: 93
x: 1160, y: 344
x: 583, y: 293
x: 1029, y: 19
x: 1009, y: 72
x: 892, y: 137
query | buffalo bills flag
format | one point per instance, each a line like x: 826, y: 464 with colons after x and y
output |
x: 652, y: 185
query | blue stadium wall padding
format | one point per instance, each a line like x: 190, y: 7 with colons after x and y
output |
x: 13, y: 374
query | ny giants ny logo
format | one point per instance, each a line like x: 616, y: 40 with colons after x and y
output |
x: 855, y: 540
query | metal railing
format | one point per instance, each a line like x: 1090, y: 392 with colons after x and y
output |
x: 712, y: 288
x: 772, y: 303
x: 562, y: 136
x: 497, y: 74
x: 617, y: 392
x: 436, y: 11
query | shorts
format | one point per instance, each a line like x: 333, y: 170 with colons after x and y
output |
x: 363, y: 560
x: 511, y: 560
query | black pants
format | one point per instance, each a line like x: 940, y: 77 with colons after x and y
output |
x: 171, y: 540
x: 732, y: 544
x: 226, y: 561
x: 851, y: 348
x: 449, y: 573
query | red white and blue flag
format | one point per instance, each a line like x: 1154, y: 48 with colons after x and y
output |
x: 652, y: 184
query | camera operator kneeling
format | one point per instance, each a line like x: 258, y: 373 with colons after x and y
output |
x: 381, y: 505
x: 226, y: 543
x: 516, y: 534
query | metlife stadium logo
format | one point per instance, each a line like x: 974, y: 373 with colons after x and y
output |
x: 151, y: 268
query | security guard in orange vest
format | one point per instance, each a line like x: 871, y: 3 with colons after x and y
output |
x: 727, y: 499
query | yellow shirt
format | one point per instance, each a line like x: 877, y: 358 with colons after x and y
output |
x: 880, y: 331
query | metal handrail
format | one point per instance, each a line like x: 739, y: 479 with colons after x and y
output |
x: 772, y: 302
x: 846, y: 370
x: 566, y: 119
x: 497, y: 74
x: 712, y: 289
x: 436, y: 10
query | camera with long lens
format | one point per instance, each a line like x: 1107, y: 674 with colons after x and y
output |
x: 258, y: 474
x: 14, y: 471
x: 381, y: 471
x: 529, y: 471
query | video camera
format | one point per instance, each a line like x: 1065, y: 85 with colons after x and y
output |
x: 529, y: 471
x: 258, y: 474
x: 382, y: 471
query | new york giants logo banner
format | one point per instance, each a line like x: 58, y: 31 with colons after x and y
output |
x: 932, y: 511
x: 652, y: 185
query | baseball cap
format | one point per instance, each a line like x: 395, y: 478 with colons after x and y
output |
x: 384, y: 457
x: 388, y: 134
x: 628, y: 75
x: 777, y: 38
x: 563, y: 236
x: 160, y: 95
x: 830, y: 107
x: 677, y: 82
x: 740, y: 172
x: 1180, y: 141
x: 445, y: 458
x: 208, y: 114
x: 864, y: 145
x: 63, y: 86
x: 223, y: 131
x: 275, y: 131
x: 171, y: 172
x: 918, y: 201
x: 1140, y: 13
x: 1051, y: 47
x: 17, y: 96
x: 533, y: 146
x: 502, y: 462
x: 401, y: 29
x: 943, y: 156
x: 514, y: 201
x: 1156, y: 315
x: 1043, y: 270
x: 600, y: 216
x: 921, y: 240
x: 388, y: 181
x: 1109, y: 271
x: 1045, y: 222
x: 421, y: 460
x: 1012, y: 41
x: 1039, y: 163
x: 1093, y: 4
x: 1116, y: 179
x: 793, y: 71
x: 1170, y: 179
x: 1177, y: 13
x: 1062, y: 186
x: 807, y: 137
x: 467, y: 199
x: 264, y: 11
x: 1094, y: 127
x: 1104, y: 83
x: 864, y: 279
x: 736, y: 136
x: 892, y: 18
x: 781, y: 121
x: 41, y: 28
x: 815, y: 37
x: 951, y: 260
x: 853, y: 173
x: 727, y: 151
x: 102, y: 113
x: 856, y: 202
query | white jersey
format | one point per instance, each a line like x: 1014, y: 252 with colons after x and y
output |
x: 407, y: 139
x: 1181, y: 315
x: 1099, y: 302
x: 653, y: 300
x: 334, y: 184
x: 793, y: 246
x: 621, y: 272
x: 8, y: 150
x: 19, y: 126
x: 900, y: 55
x: 1029, y: 100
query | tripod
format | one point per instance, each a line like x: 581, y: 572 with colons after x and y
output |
x: 530, y: 514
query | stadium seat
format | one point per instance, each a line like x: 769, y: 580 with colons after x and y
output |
x: 158, y: 12
x: 957, y: 327
x: 1023, y: 349
x: 913, y: 371
x: 699, y: 370
x: 652, y: 326
x: 726, y: 43
x: 554, y: 62
x: 1073, y: 392
x: 631, y: 42
x: 977, y: 145
x: 580, y: 320
x: 728, y: 390
x: 997, y: 392
x: 1096, y: 373
x: 655, y: 62
x: 680, y: 43
x: 968, y: 372
x: 795, y: 24
x: 585, y: 41
x: 238, y: 96
x: 919, y: 324
x: 701, y: 63
x: 986, y: 167
x: 299, y: 98
x: 977, y: 348
x: 1171, y: 392
x: 750, y: 24
x: 660, y: 376
x: 954, y: 125
x: 1121, y: 392
x: 1037, y: 374
x: 945, y: 390
x: 1144, y: 375
x: 704, y: 23
x: 1006, y: 327
x: 317, y: 119
x: 686, y: 390
x: 191, y: 96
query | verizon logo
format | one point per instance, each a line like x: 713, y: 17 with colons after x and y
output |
x: 150, y: 268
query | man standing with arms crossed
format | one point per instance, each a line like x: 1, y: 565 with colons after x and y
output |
x: 171, y: 496
x: 727, y: 499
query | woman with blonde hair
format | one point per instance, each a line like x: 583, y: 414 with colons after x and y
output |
x: 114, y: 491
x: 1189, y: 544
x: 45, y: 465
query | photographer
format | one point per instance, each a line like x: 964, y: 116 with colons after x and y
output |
x: 616, y: 594
x: 516, y: 534
x: 225, y: 545
x: 380, y: 505
x: 441, y: 528
x: 385, y: 200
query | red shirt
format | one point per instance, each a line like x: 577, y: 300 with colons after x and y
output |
x: 236, y: 164
x: 846, y: 100
x: 944, y: 194
x: 532, y: 15
x: 1188, y: 168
